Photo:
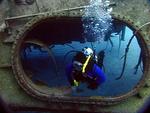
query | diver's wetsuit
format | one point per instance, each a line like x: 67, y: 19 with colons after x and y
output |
x: 94, y: 76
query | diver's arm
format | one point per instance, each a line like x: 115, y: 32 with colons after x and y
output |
x: 70, y: 76
x: 75, y: 82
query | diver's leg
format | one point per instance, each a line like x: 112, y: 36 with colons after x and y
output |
x: 99, y: 74
x: 98, y: 77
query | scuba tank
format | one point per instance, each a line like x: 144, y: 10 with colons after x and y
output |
x: 100, y: 57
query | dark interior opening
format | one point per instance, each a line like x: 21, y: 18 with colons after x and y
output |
x: 58, y: 30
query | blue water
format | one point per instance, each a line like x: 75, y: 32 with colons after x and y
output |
x: 43, y: 69
x: 95, y: 26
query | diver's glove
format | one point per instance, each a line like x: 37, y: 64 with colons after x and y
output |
x: 76, y: 83
x: 75, y: 87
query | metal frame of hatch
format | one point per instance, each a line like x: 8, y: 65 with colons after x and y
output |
x: 34, y: 91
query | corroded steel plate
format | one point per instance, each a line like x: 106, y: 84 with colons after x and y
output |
x: 61, y: 94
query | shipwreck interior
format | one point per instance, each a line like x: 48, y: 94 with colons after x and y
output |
x: 45, y: 48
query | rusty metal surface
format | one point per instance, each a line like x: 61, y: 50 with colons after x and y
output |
x: 36, y: 92
x: 134, y: 15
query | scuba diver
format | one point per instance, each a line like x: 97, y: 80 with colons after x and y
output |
x: 84, y: 68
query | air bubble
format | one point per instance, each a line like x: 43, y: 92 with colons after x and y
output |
x: 96, y: 20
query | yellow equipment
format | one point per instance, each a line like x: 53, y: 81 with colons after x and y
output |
x: 86, y: 63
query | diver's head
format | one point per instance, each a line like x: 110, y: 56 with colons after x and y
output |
x: 87, y: 51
